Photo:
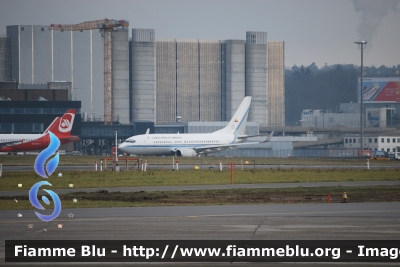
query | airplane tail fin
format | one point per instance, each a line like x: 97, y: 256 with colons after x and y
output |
x: 237, y: 124
x: 54, y: 122
x: 62, y: 126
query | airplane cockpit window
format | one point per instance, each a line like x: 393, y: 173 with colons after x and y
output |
x: 130, y: 141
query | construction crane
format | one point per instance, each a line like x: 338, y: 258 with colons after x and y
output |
x: 105, y: 26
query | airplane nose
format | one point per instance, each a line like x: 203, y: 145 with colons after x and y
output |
x: 122, y: 146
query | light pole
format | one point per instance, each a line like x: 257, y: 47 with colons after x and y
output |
x: 362, y: 45
x: 116, y: 144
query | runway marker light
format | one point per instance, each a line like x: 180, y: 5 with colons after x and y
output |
x: 344, y: 197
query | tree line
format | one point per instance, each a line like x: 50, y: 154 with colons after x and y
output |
x: 324, y: 88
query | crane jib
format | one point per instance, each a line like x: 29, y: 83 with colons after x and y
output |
x: 106, y: 26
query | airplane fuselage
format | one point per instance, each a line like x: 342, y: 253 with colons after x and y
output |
x: 60, y: 127
x: 191, y: 145
x: 170, y: 144
x: 28, y: 142
x: 25, y: 142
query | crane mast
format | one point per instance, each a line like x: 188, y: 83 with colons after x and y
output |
x: 105, y: 26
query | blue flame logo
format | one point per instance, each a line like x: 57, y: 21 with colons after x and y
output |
x: 50, y: 168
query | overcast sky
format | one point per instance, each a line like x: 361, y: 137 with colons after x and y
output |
x: 320, y: 31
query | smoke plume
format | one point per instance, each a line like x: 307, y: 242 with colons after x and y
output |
x: 372, y: 13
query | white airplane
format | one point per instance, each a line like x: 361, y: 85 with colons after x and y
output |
x: 190, y: 145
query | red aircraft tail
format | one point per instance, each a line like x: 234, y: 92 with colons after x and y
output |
x: 62, y: 126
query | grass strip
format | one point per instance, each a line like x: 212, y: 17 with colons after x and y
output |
x: 92, y: 179
x: 103, y: 198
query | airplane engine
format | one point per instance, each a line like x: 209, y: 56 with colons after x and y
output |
x: 186, y: 152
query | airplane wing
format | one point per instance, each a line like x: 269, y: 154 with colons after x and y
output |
x: 213, y: 149
x: 265, y: 141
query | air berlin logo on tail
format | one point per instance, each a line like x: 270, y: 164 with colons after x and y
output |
x: 66, y: 122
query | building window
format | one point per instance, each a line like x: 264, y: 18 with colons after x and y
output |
x: 388, y: 140
x: 394, y: 149
x: 346, y: 141
x: 38, y: 127
x: 20, y: 127
x: 370, y: 139
x: 18, y: 111
x: 388, y: 150
x: 382, y: 140
x: 6, y: 127
x: 5, y: 110
x: 351, y: 140
x: 394, y: 140
x: 22, y: 28
x: 376, y: 140
x: 354, y: 141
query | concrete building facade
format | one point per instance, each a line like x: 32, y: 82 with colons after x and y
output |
x: 3, y: 58
x: 166, y: 81
x: 210, y: 80
x: 387, y: 143
x: 188, y: 80
x: 120, y: 77
x: 40, y: 56
x: 201, y: 80
x: 257, y: 75
x: 157, y: 80
x: 143, y: 75
x: 233, y: 69
x: 276, y: 84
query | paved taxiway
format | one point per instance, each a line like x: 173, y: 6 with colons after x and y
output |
x: 340, y: 221
x: 348, y: 221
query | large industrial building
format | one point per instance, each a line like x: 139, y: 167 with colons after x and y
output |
x: 159, y: 80
x: 37, y: 55
x: 206, y: 80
